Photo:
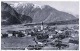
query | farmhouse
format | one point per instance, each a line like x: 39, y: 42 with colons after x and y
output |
x: 14, y: 33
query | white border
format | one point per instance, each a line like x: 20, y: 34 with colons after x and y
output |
x: 38, y: 0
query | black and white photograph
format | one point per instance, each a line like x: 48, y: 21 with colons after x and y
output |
x: 39, y: 25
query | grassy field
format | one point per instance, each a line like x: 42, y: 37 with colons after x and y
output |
x: 16, y: 42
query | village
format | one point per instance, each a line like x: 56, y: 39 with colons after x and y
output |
x: 41, y: 37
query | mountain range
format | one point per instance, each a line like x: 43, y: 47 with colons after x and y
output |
x: 9, y: 16
x: 33, y: 13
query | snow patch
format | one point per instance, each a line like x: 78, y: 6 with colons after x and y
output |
x: 37, y: 6
x: 23, y: 6
x: 14, y: 5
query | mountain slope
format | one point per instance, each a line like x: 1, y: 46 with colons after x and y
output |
x: 10, y: 16
x: 75, y: 21
x: 42, y: 13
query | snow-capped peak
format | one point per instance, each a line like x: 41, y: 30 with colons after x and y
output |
x: 24, y: 4
x: 18, y: 4
x: 37, y: 6
x: 14, y: 5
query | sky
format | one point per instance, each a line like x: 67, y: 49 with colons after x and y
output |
x: 71, y: 7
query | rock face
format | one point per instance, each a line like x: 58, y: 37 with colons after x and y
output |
x: 9, y: 16
x: 42, y: 13
x: 28, y: 12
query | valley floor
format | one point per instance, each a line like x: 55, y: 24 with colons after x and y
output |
x: 23, y: 42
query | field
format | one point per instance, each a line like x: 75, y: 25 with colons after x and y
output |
x: 12, y: 42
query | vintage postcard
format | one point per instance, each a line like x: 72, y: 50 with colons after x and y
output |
x: 39, y: 25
